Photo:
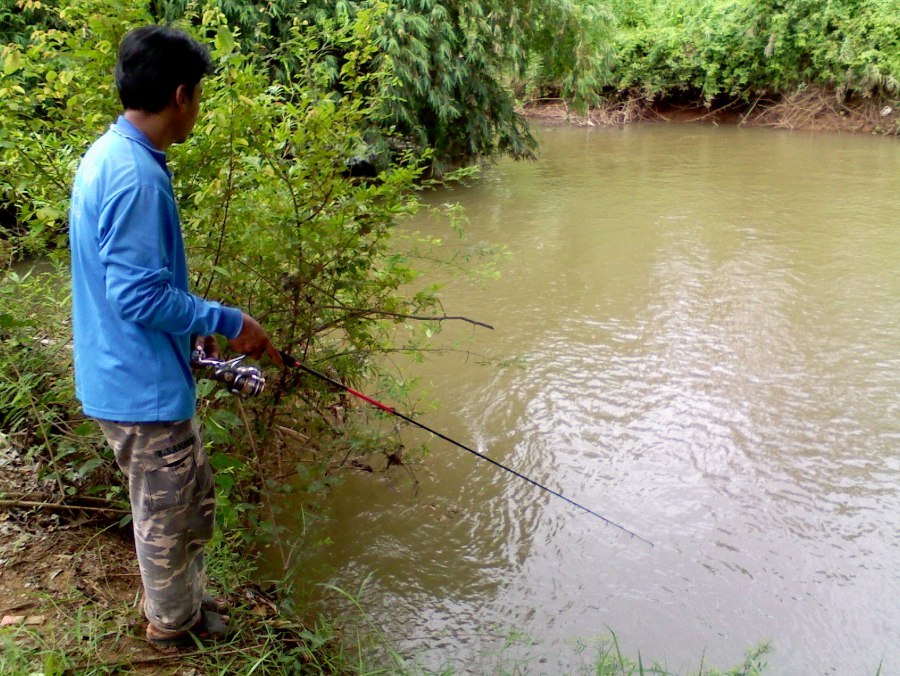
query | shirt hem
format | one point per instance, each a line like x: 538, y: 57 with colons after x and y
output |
x: 135, y: 417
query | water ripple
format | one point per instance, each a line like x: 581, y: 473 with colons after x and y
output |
x: 710, y: 319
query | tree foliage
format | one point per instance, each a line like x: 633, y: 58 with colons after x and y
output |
x: 451, y: 63
x: 57, y: 94
x: 274, y: 222
x: 745, y: 48
x: 569, y: 51
x: 448, y: 61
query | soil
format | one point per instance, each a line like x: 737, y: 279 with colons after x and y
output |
x: 62, y: 566
x: 69, y: 581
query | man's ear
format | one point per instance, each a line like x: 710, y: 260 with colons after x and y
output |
x: 182, y: 100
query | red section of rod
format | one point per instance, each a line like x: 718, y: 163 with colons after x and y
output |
x: 374, y: 402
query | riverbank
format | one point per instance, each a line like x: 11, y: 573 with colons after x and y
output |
x: 70, y: 594
x: 808, y: 110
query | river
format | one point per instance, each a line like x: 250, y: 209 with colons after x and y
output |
x: 710, y: 324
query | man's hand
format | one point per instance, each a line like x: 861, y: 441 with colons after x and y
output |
x: 254, y: 341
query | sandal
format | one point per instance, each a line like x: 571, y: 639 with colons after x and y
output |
x: 214, y: 604
x: 209, y: 628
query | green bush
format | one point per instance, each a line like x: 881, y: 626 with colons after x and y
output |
x: 450, y: 63
x: 568, y: 50
x: 274, y: 222
x: 747, y: 48
x: 446, y: 93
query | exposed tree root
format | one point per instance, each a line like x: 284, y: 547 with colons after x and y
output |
x: 821, y: 110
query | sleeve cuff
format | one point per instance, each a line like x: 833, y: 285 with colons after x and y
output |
x: 230, y: 323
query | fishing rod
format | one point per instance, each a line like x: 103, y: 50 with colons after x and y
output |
x: 295, y: 363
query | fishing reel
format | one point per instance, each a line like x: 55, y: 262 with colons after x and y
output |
x: 245, y: 381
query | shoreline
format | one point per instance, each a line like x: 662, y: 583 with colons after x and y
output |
x: 70, y: 592
x: 814, y: 110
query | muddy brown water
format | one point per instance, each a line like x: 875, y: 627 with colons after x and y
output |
x: 710, y: 320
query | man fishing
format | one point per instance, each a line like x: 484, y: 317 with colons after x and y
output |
x: 134, y: 319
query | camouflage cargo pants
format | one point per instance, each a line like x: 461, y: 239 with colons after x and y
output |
x: 173, y: 505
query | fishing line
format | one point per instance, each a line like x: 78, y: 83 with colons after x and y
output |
x: 295, y: 363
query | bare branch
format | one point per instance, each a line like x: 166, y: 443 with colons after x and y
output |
x: 57, y: 505
x: 424, y: 318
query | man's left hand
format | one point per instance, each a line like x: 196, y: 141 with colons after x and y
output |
x: 209, y: 345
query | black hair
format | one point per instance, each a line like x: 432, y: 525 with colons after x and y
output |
x: 153, y: 62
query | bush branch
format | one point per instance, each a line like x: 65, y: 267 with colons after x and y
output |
x: 424, y: 318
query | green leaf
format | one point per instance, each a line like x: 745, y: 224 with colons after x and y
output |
x: 225, y: 419
x: 224, y: 41
x: 13, y: 61
x: 205, y: 386
x: 223, y: 461
x: 86, y: 428
x: 89, y: 467
x: 225, y: 482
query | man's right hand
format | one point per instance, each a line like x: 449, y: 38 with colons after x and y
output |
x: 254, y: 341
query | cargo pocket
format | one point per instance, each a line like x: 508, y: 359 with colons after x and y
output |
x: 170, y: 475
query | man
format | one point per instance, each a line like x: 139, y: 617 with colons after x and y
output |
x: 133, y: 320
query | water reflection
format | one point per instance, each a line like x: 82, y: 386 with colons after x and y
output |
x: 711, y: 323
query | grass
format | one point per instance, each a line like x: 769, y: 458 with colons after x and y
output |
x: 25, y: 651
x: 97, y: 644
x: 609, y: 661
x: 79, y: 645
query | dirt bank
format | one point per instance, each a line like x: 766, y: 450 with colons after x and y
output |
x: 70, y: 593
x: 65, y: 567
x: 809, y: 110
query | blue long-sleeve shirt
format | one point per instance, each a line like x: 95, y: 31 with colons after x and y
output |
x: 132, y: 314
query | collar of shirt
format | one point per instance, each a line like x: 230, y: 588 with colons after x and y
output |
x: 124, y: 128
